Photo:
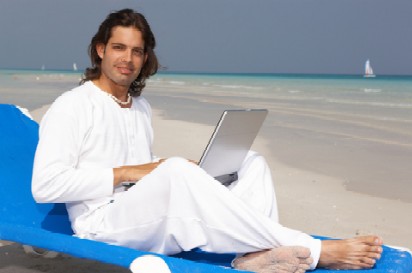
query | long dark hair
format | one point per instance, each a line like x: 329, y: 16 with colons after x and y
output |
x: 125, y: 18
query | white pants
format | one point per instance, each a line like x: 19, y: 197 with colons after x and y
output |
x: 179, y: 207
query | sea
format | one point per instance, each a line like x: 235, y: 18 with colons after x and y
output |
x: 347, y: 126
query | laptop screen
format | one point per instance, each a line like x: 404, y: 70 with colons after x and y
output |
x: 230, y: 142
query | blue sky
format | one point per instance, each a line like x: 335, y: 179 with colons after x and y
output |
x: 260, y: 36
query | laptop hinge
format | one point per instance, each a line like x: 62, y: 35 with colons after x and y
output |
x: 227, y: 179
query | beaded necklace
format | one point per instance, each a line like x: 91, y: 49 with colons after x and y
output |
x: 123, y: 103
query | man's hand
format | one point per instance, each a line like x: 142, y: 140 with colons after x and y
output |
x: 133, y: 173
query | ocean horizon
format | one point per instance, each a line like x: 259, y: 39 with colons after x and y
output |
x: 259, y: 74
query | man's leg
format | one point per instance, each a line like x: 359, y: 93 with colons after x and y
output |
x: 255, y: 186
x: 190, y: 209
x: 179, y: 207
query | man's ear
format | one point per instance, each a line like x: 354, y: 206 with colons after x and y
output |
x: 100, y: 48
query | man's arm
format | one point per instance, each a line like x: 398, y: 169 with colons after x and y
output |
x: 55, y: 175
x: 133, y: 173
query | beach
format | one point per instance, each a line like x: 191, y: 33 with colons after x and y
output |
x: 340, y: 161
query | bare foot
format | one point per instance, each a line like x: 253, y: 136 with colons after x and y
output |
x: 285, y: 259
x: 356, y: 253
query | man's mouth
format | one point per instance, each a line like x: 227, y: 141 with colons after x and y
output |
x: 125, y: 70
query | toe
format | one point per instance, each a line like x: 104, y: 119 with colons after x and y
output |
x: 368, y: 262
x: 371, y: 240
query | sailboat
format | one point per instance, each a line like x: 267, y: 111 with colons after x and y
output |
x: 368, y: 70
x: 74, y: 67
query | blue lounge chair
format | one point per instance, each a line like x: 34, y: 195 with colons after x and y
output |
x: 46, y: 226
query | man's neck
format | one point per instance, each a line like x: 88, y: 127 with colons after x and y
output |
x: 118, y: 91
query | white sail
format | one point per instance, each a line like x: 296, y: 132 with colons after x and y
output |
x: 74, y: 67
x: 368, y: 70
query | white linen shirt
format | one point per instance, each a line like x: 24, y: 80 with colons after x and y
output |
x: 83, y: 136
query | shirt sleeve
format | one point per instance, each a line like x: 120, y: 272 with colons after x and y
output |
x: 55, y: 175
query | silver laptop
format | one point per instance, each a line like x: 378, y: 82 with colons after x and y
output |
x: 230, y: 142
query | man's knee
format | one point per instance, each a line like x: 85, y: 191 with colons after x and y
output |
x: 254, y: 159
x: 177, y: 165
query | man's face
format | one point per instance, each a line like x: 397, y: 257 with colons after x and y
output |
x: 123, y: 56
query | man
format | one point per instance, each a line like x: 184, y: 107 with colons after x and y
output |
x: 99, y: 135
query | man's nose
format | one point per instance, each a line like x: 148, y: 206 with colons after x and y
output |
x: 127, y: 57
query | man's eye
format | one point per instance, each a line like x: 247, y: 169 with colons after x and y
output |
x: 138, y: 52
x: 117, y: 47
